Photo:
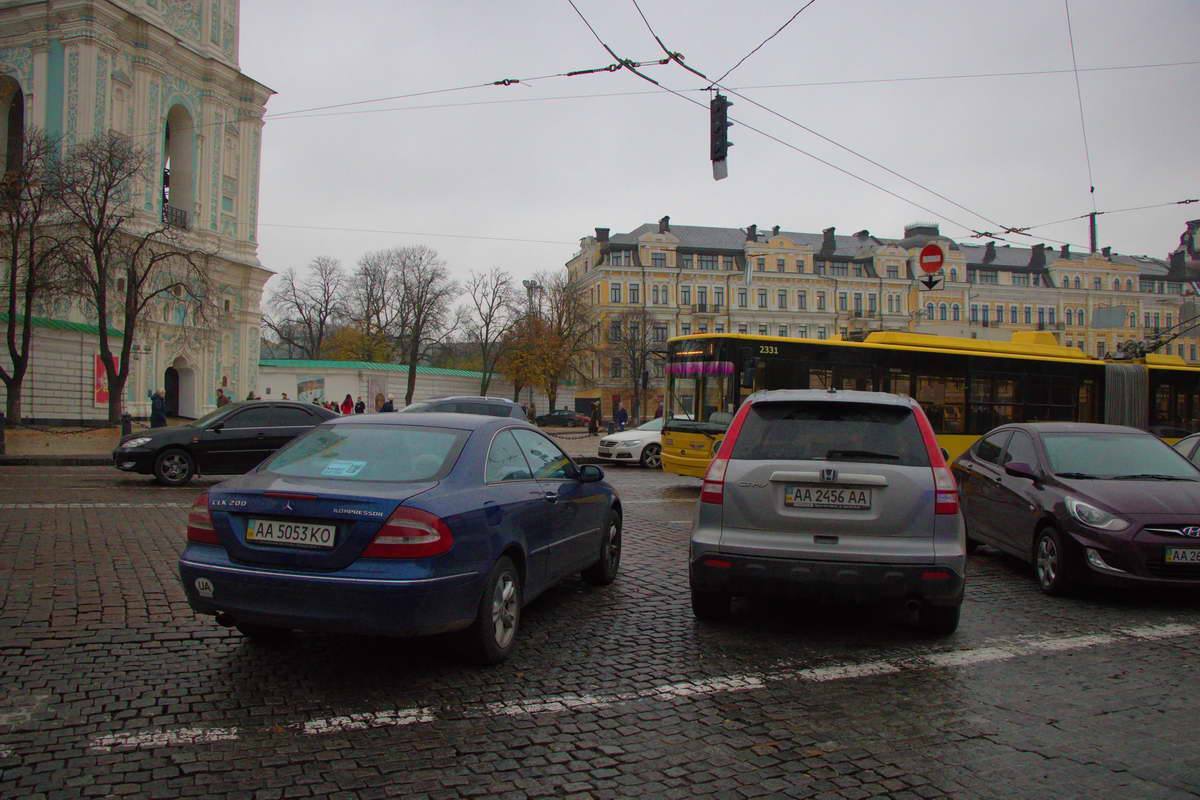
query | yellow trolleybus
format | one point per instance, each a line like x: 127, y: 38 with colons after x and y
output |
x: 966, y: 386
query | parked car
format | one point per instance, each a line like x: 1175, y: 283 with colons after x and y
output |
x: 466, y: 404
x: 1084, y: 502
x: 229, y: 441
x: 641, y: 445
x: 1189, y: 447
x: 401, y: 524
x: 830, y: 493
x: 562, y: 418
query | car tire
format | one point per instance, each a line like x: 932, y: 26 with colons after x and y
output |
x: 1053, y: 563
x: 263, y: 634
x: 174, y: 467
x: 604, y: 571
x: 711, y: 606
x: 972, y: 545
x: 938, y: 620
x: 493, y: 635
x: 652, y: 456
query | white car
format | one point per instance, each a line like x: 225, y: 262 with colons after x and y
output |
x: 641, y: 444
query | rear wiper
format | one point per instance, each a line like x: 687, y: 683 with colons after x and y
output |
x: 1149, y: 476
x: 860, y: 454
x: 1076, y: 475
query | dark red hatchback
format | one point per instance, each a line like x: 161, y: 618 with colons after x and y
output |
x: 1084, y: 502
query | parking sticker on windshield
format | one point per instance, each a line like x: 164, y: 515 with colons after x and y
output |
x: 204, y: 587
x: 343, y: 469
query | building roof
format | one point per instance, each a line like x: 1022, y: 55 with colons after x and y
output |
x: 373, y: 366
x: 689, y: 236
x: 64, y: 325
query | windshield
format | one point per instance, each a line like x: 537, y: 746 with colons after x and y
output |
x: 698, y: 392
x: 652, y: 425
x: 831, y: 432
x: 370, y: 453
x: 1115, y: 456
x: 212, y: 416
x: 415, y: 407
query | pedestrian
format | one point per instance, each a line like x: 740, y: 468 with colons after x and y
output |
x: 348, y: 404
x: 250, y: 395
x: 284, y: 397
x: 390, y: 405
x: 658, y: 412
x: 222, y: 398
x: 158, y: 409
x: 360, y: 407
x: 621, y: 417
x: 594, y: 420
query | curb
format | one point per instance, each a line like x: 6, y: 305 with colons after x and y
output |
x: 56, y: 461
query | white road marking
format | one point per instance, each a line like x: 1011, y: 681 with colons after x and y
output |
x: 992, y: 652
x: 370, y: 719
x: 654, y: 502
x: 161, y: 738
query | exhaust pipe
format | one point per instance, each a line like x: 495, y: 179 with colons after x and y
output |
x: 225, y: 620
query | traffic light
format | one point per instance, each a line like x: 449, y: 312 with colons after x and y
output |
x: 719, y: 124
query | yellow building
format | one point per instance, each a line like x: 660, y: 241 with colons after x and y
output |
x: 690, y: 279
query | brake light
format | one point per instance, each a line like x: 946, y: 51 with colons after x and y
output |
x: 410, y: 533
x: 200, y: 523
x: 945, y: 488
x: 712, y: 490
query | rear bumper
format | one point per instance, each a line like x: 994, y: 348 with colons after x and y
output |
x: 681, y: 465
x: 861, y: 582
x: 331, y: 602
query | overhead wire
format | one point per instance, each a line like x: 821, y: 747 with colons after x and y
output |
x: 1087, y: 152
x: 743, y: 59
x: 1078, y: 217
x: 976, y: 233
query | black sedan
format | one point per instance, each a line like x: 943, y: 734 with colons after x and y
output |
x: 1084, y: 502
x: 562, y: 418
x: 229, y: 441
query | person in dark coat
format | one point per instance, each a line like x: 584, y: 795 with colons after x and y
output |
x: 158, y: 409
x: 390, y: 405
x: 594, y: 420
x: 347, y: 405
x: 222, y: 398
x: 360, y: 407
x: 621, y: 417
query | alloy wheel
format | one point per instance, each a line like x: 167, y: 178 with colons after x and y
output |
x: 1047, y: 561
x: 174, y: 466
x: 504, y: 610
x: 652, y: 457
x: 612, y: 550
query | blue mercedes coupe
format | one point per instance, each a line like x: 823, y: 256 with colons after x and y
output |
x: 400, y: 524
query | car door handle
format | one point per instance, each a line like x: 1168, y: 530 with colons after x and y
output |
x: 551, y: 497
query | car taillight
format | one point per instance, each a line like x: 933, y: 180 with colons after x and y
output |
x: 200, y: 523
x: 945, y: 488
x: 713, y: 488
x: 410, y: 533
x: 946, y: 492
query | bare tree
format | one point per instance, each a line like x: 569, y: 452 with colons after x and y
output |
x: 304, y: 310
x: 427, y: 301
x: 492, y: 313
x: 630, y: 339
x: 375, y: 304
x: 122, y: 264
x: 568, y: 329
x: 29, y: 243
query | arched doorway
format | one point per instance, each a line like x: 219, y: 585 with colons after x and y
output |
x: 178, y: 173
x: 179, y: 384
x: 12, y: 123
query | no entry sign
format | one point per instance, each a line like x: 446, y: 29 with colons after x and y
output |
x: 931, y: 258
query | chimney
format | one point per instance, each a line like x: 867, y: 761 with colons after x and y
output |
x: 1064, y: 251
x: 921, y: 229
x: 664, y: 225
x: 863, y: 234
x: 1107, y: 251
x: 601, y: 234
x: 989, y: 253
x: 828, y: 244
x: 775, y: 231
x: 752, y: 233
x: 1037, y: 256
x: 1178, y: 263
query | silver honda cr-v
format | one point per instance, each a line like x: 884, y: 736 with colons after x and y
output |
x: 828, y: 493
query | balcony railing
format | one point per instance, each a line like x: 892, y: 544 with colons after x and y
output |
x: 175, y: 217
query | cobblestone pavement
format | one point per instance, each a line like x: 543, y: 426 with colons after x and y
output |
x: 110, y: 686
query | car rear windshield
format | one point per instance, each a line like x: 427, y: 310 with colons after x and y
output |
x: 1115, y: 456
x: 815, y: 431
x: 370, y: 453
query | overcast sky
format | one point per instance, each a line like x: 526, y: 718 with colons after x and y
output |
x: 1009, y: 148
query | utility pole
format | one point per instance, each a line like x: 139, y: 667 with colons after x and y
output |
x: 531, y: 286
x: 1092, y: 230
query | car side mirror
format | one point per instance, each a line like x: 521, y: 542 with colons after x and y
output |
x: 1019, y: 469
x: 218, y: 427
x: 590, y: 473
x: 945, y: 454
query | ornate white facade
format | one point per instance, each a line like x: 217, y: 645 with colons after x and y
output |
x: 165, y: 73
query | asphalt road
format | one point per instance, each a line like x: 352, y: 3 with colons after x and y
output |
x: 110, y: 686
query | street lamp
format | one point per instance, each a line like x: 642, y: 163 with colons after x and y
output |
x: 531, y: 286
